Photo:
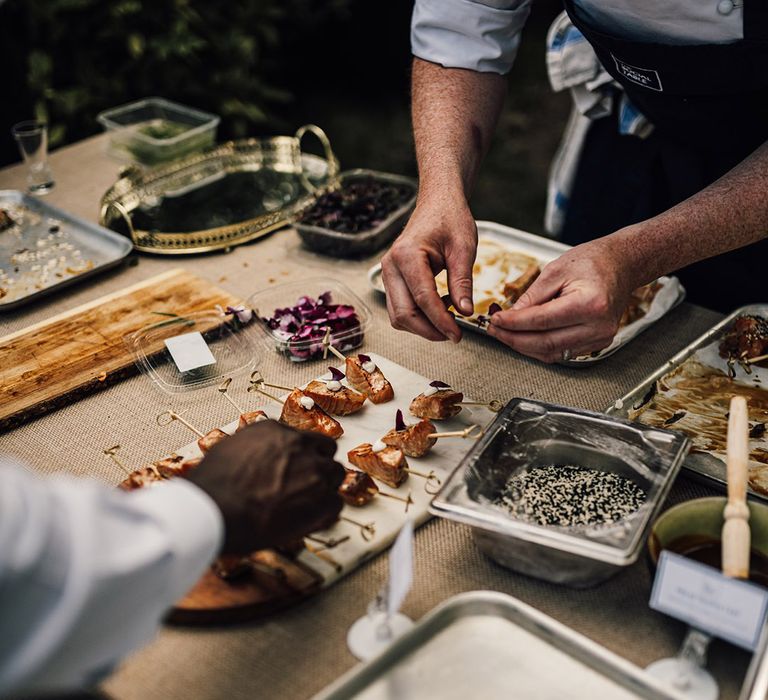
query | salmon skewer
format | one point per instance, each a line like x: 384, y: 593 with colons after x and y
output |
x: 301, y: 412
x: 357, y: 489
x: 413, y: 440
x: 387, y: 464
x: 437, y: 402
x: 246, y: 417
x: 249, y: 418
x: 175, y: 465
x: 333, y: 397
x: 140, y: 478
x: 364, y: 376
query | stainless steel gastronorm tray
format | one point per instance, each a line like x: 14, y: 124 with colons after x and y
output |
x: 703, y: 467
x: 532, y: 433
x: 489, y: 645
x: 25, y: 249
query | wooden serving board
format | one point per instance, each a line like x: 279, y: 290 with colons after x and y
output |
x: 81, y: 351
x: 314, y: 567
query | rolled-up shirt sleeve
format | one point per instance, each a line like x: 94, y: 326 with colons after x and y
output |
x: 87, y: 572
x: 480, y: 35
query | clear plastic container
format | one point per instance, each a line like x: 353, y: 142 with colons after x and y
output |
x: 350, y: 245
x: 345, y: 334
x: 234, y: 346
x: 155, y: 130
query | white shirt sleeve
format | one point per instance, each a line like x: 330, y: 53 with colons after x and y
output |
x: 481, y: 35
x: 87, y: 572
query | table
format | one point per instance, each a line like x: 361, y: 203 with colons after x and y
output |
x: 298, y: 652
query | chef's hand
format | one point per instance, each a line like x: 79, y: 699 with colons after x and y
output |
x: 440, y: 235
x: 273, y: 485
x: 575, y: 304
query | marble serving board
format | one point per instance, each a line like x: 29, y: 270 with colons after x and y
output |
x: 387, y: 515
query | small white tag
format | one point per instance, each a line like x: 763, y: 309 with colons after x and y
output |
x: 400, y: 568
x: 700, y: 595
x: 190, y: 351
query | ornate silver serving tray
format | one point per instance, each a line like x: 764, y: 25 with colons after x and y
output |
x: 228, y: 195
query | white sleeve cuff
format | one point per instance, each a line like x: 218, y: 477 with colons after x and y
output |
x: 480, y: 35
x: 193, y: 525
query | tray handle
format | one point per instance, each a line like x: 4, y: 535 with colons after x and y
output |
x: 123, y: 213
x: 330, y: 156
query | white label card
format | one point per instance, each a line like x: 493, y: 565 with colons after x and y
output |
x: 400, y: 568
x: 190, y: 351
x: 703, y: 597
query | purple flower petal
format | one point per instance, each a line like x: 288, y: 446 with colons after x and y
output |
x: 336, y: 374
x: 493, y: 309
x: 399, y: 422
x: 439, y: 385
x: 363, y: 358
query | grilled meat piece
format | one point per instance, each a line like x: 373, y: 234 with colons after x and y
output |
x: 388, y: 465
x: 357, y: 489
x: 249, y: 418
x: 514, y: 290
x: 314, y: 418
x: 747, y: 338
x: 413, y: 441
x: 208, y: 440
x: 441, y: 405
x: 373, y: 384
x: 140, y: 478
x: 337, y: 403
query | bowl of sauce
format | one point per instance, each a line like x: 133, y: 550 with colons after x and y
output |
x: 693, y: 530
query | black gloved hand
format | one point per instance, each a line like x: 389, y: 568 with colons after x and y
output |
x: 273, y: 485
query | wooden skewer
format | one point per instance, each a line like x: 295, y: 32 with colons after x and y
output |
x: 111, y: 452
x: 258, y: 380
x: 172, y: 416
x: 322, y: 554
x: 759, y: 358
x: 367, y: 530
x: 466, y: 433
x: 431, y: 478
x: 408, y: 500
x: 327, y: 543
x: 337, y: 353
x: 254, y: 387
x: 326, y: 342
x: 736, y: 534
x: 223, y: 390
x: 494, y: 405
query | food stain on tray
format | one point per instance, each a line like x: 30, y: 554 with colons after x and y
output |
x: 695, y: 400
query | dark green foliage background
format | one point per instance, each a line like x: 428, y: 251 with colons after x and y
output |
x: 267, y: 66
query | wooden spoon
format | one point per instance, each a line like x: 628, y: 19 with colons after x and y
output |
x: 736, y: 535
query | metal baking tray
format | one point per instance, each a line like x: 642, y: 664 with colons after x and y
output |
x: 228, y: 195
x: 49, y: 249
x: 489, y: 645
x: 546, y: 250
x: 702, y: 466
x: 531, y: 433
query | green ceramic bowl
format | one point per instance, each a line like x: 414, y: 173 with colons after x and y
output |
x: 703, y: 517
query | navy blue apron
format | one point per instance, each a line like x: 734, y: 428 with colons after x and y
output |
x: 709, y: 107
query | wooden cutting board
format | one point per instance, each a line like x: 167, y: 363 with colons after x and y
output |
x: 81, y: 351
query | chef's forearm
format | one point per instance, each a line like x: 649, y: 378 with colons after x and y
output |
x: 454, y: 115
x: 729, y: 214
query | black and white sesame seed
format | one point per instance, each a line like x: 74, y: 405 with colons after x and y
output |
x: 568, y: 496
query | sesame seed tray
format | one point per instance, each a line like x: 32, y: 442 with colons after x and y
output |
x: 529, y: 435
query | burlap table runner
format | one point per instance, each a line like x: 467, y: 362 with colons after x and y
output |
x: 296, y: 653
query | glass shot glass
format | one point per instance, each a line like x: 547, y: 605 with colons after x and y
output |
x: 32, y: 137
